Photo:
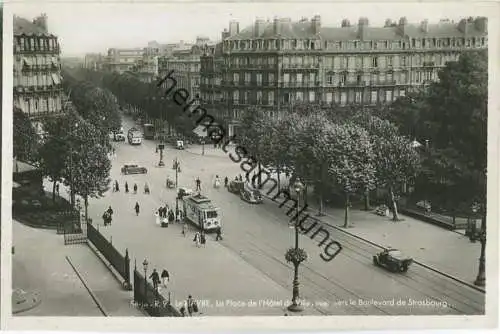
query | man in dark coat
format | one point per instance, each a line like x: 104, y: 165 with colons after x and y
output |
x: 155, y: 278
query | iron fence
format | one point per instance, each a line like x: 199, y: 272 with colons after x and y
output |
x: 150, y: 300
x: 119, y: 262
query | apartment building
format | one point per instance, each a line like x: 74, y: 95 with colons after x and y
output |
x: 277, y: 64
x: 94, y: 61
x: 37, y: 77
x: 122, y: 60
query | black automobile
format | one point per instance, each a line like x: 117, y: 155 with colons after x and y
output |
x: 133, y: 169
x: 393, y: 260
x: 235, y: 187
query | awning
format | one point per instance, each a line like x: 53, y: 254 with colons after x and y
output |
x: 27, y: 61
x: 56, y: 79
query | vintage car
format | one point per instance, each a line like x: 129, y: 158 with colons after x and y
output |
x: 393, y: 260
x: 182, y: 192
x: 235, y: 186
x: 179, y: 144
x: 133, y: 169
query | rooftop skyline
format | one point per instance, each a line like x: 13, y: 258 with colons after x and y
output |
x: 93, y: 27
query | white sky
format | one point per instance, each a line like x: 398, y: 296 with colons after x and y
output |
x: 83, y: 26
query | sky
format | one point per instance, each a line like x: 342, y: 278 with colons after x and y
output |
x: 87, y: 26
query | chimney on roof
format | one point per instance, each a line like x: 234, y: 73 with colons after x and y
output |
x: 362, y: 26
x: 41, y: 21
x: 345, y: 23
x: 424, y: 26
x: 260, y: 25
x: 234, y: 28
x: 316, y: 24
x: 403, y: 23
x: 481, y: 24
x: 276, y: 26
x: 388, y: 23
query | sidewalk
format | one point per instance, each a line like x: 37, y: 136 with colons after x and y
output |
x: 439, y: 248
x: 39, y: 265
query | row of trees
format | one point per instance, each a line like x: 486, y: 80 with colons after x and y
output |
x: 146, y: 97
x: 74, y: 147
x: 353, y: 155
x: 356, y: 150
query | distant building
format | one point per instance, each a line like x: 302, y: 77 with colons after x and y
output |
x: 37, y: 69
x: 122, y: 60
x: 277, y: 64
x: 94, y: 61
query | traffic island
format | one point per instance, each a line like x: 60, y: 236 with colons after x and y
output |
x: 24, y: 300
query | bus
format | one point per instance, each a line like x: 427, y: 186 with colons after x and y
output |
x: 149, y: 131
x: 134, y: 136
x: 200, y: 211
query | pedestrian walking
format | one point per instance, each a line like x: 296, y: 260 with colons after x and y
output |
x: 165, y: 277
x: 126, y: 187
x: 192, y: 307
x: 184, y: 229
x: 241, y: 178
x: 203, y: 239
x: 155, y: 278
x: 106, y: 218
x: 135, y: 188
x: 57, y: 189
x: 218, y: 235
x: 137, y: 208
x: 117, y: 186
x: 197, y: 239
x: 226, y: 181
x: 198, y: 184
x: 217, y: 182
x: 146, y: 188
x: 247, y: 177
x: 171, y: 216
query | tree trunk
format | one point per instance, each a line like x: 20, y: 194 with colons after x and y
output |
x: 346, y: 213
x: 367, y: 200
x: 320, y: 210
x: 305, y: 195
x: 260, y: 175
x: 279, y: 181
x: 395, y: 215
x: 54, y: 192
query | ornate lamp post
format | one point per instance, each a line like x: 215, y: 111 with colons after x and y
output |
x: 296, y: 255
x: 481, y: 278
x: 145, y: 267
x: 177, y: 167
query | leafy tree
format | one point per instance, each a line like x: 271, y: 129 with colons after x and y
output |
x: 55, y: 145
x: 350, y: 157
x: 88, y: 163
x: 396, y: 161
x: 26, y: 140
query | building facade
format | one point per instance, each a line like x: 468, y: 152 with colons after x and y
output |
x: 277, y: 64
x: 37, y: 77
x: 122, y: 60
x: 186, y: 66
x: 94, y: 61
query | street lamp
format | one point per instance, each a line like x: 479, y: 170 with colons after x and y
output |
x: 203, y: 147
x: 481, y: 277
x: 145, y: 267
x: 295, y: 306
x: 177, y: 170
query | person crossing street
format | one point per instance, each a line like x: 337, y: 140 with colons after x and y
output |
x: 198, y: 184
x: 137, y: 208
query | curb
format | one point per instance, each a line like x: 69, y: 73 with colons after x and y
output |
x: 379, y: 246
x: 96, y: 300
x: 108, y: 266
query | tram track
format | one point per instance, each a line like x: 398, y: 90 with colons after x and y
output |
x: 433, y: 286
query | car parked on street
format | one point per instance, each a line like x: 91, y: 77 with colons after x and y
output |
x: 393, y: 260
x: 133, y: 169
